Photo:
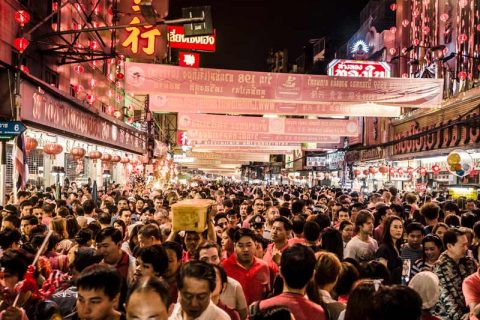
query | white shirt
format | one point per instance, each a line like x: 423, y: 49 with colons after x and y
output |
x: 360, y: 250
x: 211, y: 313
x: 233, y: 296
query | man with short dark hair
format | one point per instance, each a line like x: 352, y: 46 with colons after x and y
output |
x: 397, y: 303
x: 196, y: 282
x: 452, y: 267
x: 25, y: 208
x: 430, y: 211
x: 98, y: 293
x: 280, y: 232
x: 254, y: 274
x: 296, y: 269
x: 362, y: 247
x: 149, y: 235
x: 109, y: 242
x: 413, y: 250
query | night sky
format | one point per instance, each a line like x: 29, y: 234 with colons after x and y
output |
x: 247, y: 29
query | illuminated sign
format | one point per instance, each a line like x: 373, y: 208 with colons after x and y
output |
x: 360, y: 46
x: 182, y: 138
x: 189, y: 59
x: 141, y: 41
x: 468, y: 193
x: 178, y: 40
x: 358, y: 69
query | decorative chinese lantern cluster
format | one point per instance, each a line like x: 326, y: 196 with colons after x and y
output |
x: 95, y: 155
x: 52, y: 149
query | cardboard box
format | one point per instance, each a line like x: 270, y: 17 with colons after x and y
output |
x: 191, y: 214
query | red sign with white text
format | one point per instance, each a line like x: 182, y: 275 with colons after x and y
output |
x: 177, y: 39
x: 182, y: 138
x: 189, y: 59
x: 358, y: 69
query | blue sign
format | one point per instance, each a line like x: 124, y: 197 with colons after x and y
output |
x: 11, y: 128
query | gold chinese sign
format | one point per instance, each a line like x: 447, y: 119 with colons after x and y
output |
x: 138, y: 41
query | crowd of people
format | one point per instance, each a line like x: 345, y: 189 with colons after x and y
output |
x: 268, y: 252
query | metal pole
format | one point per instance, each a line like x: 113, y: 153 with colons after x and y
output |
x: 3, y: 171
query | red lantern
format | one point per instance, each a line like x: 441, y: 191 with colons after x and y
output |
x: 116, y: 159
x: 30, y: 144
x: 93, y: 45
x: 393, y: 30
x: 365, y: 172
x: 392, y: 51
x: 106, y: 157
x: 52, y: 149
x: 92, y: 83
x: 78, y: 153
x: 120, y: 76
x: 24, y: 68
x: 416, y: 42
x: 78, y: 68
x: 478, y: 27
x: 20, y: 44
x: 426, y: 30
x: 356, y: 172
x: 462, y: 38
x: 405, y: 23
x: 444, y: 17
x: 393, y: 6
x: 78, y: 88
x: 90, y: 98
x: 422, y: 171
x: 125, y: 160
x: 372, y: 170
x: 392, y: 171
x: 22, y: 17
x: 436, y: 168
x: 462, y: 75
x: 95, y: 155
x: 410, y: 170
x: 383, y: 169
x: 400, y: 171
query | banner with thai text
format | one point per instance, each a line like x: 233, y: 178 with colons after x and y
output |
x: 278, y: 126
x: 287, y: 88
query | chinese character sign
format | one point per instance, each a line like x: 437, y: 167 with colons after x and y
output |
x: 182, y: 138
x: 148, y: 41
x: 363, y: 69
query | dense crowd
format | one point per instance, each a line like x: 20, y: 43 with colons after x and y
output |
x: 268, y: 252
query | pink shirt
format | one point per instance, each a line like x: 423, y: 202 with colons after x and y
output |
x: 471, y: 290
x: 301, y: 307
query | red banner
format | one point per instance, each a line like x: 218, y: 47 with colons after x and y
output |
x: 177, y: 38
x: 282, y: 126
x: 189, y: 59
x: 260, y: 92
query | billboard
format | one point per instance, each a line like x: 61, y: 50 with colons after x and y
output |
x: 178, y: 40
x: 358, y: 68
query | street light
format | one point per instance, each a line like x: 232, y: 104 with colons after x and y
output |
x: 106, y: 176
x: 58, y: 173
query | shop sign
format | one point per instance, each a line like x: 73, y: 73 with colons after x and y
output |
x: 44, y: 109
x: 183, y: 138
x: 372, y: 154
x: 178, y: 40
x: 316, y: 161
x: 335, y: 160
x: 467, y: 192
x: 147, y: 42
x: 289, y: 93
x: 289, y: 126
x: 352, y: 156
x: 358, y: 68
x: 440, y: 135
x: 189, y: 59
x: 420, y: 187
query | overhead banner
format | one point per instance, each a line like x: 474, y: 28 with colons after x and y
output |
x: 240, y: 149
x: 203, y: 135
x: 278, y: 126
x: 167, y: 81
x: 229, y: 156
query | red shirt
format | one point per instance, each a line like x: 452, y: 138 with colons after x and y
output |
x: 471, y: 290
x: 268, y: 256
x: 255, y: 281
x: 299, y: 306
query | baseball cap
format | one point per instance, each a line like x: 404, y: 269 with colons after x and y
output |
x: 257, y: 221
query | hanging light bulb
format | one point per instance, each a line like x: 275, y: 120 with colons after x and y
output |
x: 24, y: 68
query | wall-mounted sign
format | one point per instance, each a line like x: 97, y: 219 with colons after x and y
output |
x: 182, y: 138
x: 178, y: 40
x: 358, y: 69
x: 189, y: 59
x: 147, y: 42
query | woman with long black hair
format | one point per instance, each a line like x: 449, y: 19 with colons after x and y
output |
x: 389, y: 250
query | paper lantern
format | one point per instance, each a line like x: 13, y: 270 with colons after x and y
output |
x: 78, y: 68
x: 30, y: 144
x: 356, y: 172
x: 106, y: 157
x: 383, y: 169
x: 116, y: 159
x: 78, y: 153
x: 392, y: 51
x: 416, y: 42
x: 400, y: 171
x: 405, y: 23
x: 393, y: 6
x: 392, y: 171
x: 422, y: 171
x: 372, y: 170
x: 91, y: 98
x: 52, y: 149
x: 393, y: 30
x: 93, y: 45
x: 444, y: 17
x: 462, y: 75
x: 95, y: 155
x: 125, y: 160
x: 120, y: 76
x: 22, y: 17
x: 462, y: 37
x: 365, y: 172
x: 24, y: 68
x: 20, y: 44
x: 426, y: 30
x: 436, y: 168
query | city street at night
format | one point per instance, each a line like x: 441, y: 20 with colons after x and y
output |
x: 240, y: 160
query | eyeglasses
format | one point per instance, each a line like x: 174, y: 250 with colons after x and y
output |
x: 260, y: 204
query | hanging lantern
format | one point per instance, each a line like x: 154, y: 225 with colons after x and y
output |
x: 392, y: 51
x: 365, y: 172
x: 393, y: 30
x: 54, y: 6
x: 125, y: 160
x: 110, y: 109
x: 478, y: 27
x: 22, y: 17
x: 426, y: 30
x: 78, y: 153
x: 416, y: 42
x: 444, y: 17
x: 392, y: 171
x: 90, y: 98
x: 117, y: 114
x: 405, y: 23
x: 372, y: 170
x: 116, y: 159
x: 400, y: 171
x: 120, y: 76
x: 356, y: 172
x: 383, y: 169
x: 463, y: 3
x: 422, y: 171
x: 78, y: 68
x: 436, y: 168
x: 106, y: 157
x: 20, y: 44
x: 462, y: 75
x: 462, y: 38
x: 410, y: 170
x: 415, y: 13
x: 78, y: 88
x: 93, y: 45
x: 393, y: 6
x: 52, y: 149
x: 24, y: 68
x: 92, y: 82
x: 405, y: 75
x: 30, y: 144
x: 95, y: 155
